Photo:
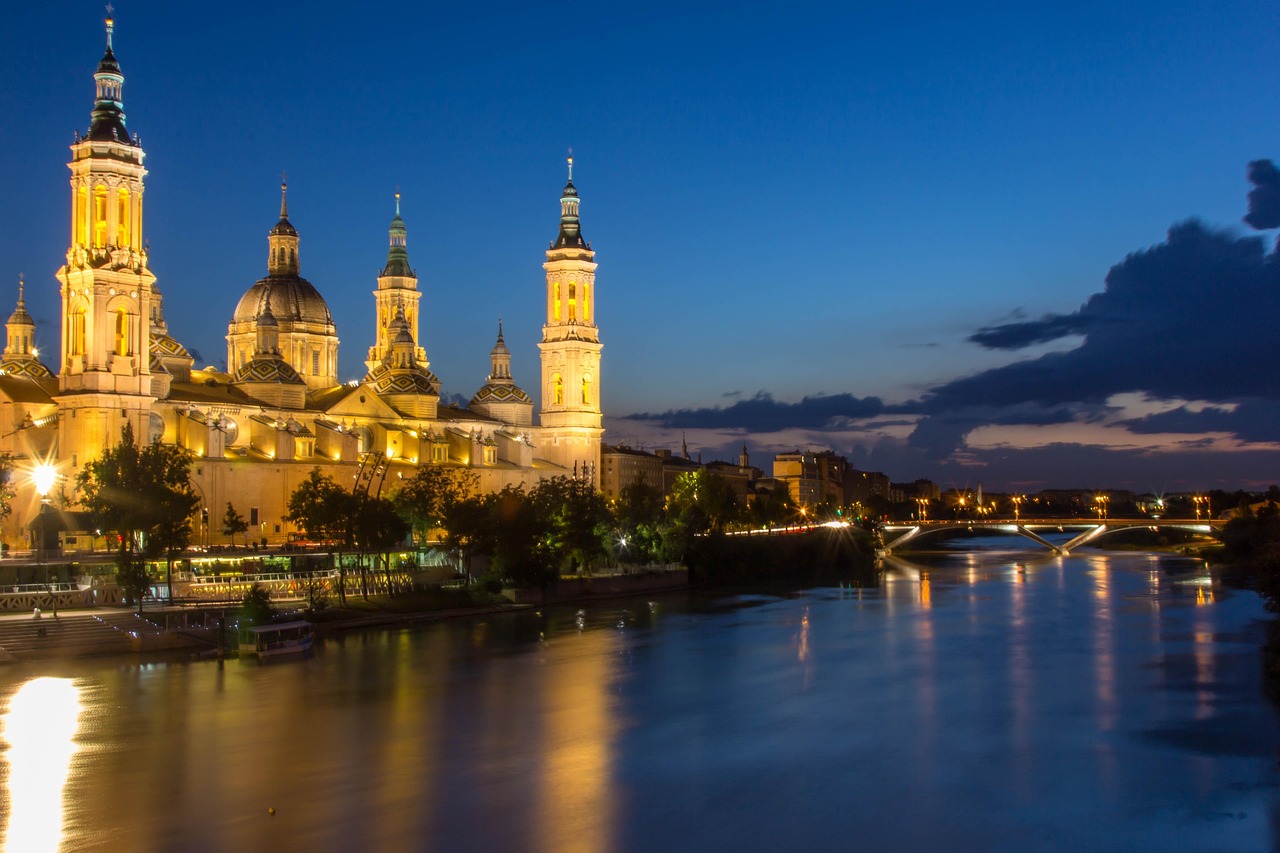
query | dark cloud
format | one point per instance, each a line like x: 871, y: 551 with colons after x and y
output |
x: 1249, y: 420
x: 1018, y: 335
x: 731, y: 394
x: 1191, y: 318
x: 1264, y: 198
x: 762, y: 413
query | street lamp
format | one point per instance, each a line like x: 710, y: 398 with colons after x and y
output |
x: 43, y: 477
x: 924, y: 508
x: 1101, y: 501
x: 1017, y: 505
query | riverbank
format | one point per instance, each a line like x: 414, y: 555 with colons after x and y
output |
x: 163, y: 632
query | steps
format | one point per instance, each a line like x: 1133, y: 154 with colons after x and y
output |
x: 74, y: 635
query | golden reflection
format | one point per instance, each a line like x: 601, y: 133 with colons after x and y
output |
x: 926, y: 593
x: 575, y: 808
x: 802, y: 647
x: 1205, y: 673
x: 39, y: 730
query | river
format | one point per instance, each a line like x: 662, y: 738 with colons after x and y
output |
x: 972, y: 701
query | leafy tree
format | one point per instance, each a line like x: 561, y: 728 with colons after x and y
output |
x: 427, y: 497
x: 641, y: 523
x: 256, y: 608
x: 700, y: 501
x: 324, y: 510
x: 520, y: 550
x: 143, y: 496
x: 233, y: 523
x: 378, y: 527
x: 6, y: 485
x: 574, y: 520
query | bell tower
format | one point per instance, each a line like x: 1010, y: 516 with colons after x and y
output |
x: 571, y: 419
x: 107, y: 288
x: 397, y: 292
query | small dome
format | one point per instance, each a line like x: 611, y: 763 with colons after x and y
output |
x: 290, y: 298
x: 386, y: 380
x: 501, y: 394
x: 268, y: 370
x: 109, y: 65
x: 285, y: 227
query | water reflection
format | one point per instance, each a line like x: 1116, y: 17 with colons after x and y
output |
x: 39, y: 731
x: 968, y: 703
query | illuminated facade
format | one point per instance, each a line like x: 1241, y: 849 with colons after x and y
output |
x: 570, y: 347
x: 259, y: 428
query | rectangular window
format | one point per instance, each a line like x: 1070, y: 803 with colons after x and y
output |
x: 253, y: 515
x: 315, y: 362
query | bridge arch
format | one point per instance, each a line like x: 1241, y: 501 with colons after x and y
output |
x: 898, y: 535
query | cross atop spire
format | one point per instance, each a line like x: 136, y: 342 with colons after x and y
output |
x: 111, y: 24
x: 284, y: 197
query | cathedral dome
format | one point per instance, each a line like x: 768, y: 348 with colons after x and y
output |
x: 289, y: 297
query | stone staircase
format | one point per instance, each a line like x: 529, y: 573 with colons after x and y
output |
x: 75, y: 634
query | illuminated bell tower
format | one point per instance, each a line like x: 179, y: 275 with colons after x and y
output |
x: 570, y: 348
x: 397, y: 291
x: 107, y: 289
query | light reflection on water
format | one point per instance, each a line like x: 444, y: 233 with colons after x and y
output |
x: 969, y: 702
x: 39, y: 736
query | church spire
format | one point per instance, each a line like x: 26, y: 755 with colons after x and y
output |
x: 397, y: 250
x: 282, y: 240
x: 107, y: 121
x: 570, y: 236
x: 500, y: 359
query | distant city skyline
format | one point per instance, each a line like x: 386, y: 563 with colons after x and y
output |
x: 865, y: 230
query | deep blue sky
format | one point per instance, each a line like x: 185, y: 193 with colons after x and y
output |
x: 801, y: 200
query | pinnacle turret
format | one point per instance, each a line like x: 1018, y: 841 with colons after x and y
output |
x: 570, y: 236
x: 107, y: 121
x: 398, y: 251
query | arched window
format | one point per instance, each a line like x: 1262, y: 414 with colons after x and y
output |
x: 75, y: 331
x: 573, y: 302
x: 557, y: 383
x: 80, y: 229
x: 99, y: 215
x: 122, y: 332
x: 556, y: 312
x: 122, y: 217
x: 586, y: 307
x: 586, y: 389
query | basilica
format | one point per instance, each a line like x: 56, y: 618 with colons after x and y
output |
x: 257, y: 430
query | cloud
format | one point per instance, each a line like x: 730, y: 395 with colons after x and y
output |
x: 762, y: 413
x: 1019, y: 335
x: 1188, y: 319
x: 1264, y: 198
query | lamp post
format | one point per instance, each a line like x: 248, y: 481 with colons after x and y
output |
x: 924, y: 508
x: 43, y: 478
x: 1017, y: 505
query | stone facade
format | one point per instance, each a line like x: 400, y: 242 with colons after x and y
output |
x: 257, y: 430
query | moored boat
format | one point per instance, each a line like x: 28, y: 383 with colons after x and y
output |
x: 275, y: 640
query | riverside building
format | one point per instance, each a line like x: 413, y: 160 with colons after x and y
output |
x: 257, y: 429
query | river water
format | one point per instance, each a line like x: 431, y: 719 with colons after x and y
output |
x: 976, y: 701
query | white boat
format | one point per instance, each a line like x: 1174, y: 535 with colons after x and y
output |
x: 280, y: 638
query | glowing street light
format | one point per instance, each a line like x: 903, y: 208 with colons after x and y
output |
x: 1017, y: 505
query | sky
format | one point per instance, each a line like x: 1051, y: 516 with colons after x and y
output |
x: 981, y: 243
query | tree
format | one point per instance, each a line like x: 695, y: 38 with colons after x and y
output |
x: 378, y: 528
x: 233, y: 523
x: 641, y: 524
x: 702, y: 501
x: 256, y: 608
x: 326, y: 513
x: 6, y: 485
x: 427, y: 497
x: 574, y: 520
x: 143, y: 496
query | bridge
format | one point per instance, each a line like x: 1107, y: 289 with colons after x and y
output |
x: 1091, y: 529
